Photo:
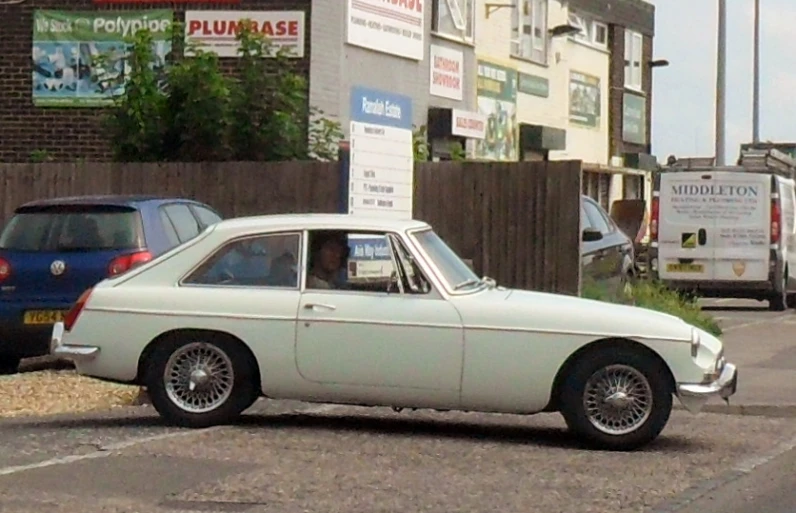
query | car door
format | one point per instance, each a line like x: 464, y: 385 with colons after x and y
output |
x: 589, y: 252
x: 378, y: 339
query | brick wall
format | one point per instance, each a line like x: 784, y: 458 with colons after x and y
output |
x: 616, y: 95
x: 75, y: 133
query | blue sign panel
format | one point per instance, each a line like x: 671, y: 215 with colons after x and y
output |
x: 371, y: 248
x: 381, y: 108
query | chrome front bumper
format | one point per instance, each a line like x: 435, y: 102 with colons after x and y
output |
x: 693, y: 397
x: 72, y: 353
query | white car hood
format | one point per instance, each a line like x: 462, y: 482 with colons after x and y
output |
x: 560, y: 313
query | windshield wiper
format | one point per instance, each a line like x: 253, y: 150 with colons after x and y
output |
x: 467, y: 283
x: 490, y: 282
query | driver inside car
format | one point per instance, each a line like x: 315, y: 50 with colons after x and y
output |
x: 328, y: 257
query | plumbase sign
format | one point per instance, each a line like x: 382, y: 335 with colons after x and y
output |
x: 80, y: 58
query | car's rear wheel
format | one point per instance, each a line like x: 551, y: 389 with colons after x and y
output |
x: 201, y: 379
x: 9, y: 364
x: 617, y: 399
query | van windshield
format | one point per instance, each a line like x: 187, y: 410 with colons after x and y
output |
x: 91, y: 228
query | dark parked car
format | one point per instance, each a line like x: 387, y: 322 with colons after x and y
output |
x: 53, y: 250
x: 607, y: 252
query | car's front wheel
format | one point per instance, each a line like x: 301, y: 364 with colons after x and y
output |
x: 617, y: 399
x: 201, y: 379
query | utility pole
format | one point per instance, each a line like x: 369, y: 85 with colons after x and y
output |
x: 756, y: 79
x: 721, y: 68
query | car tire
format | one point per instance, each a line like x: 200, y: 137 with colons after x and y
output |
x: 220, y: 370
x: 594, y: 377
x: 791, y: 301
x: 9, y: 364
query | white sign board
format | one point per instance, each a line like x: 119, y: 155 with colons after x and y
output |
x: 214, y: 31
x: 395, y: 27
x: 381, y: 166
x: 447, y: 72
x: 468, y: 124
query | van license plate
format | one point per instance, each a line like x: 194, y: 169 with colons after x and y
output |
x: 685, y: 268
x: 43, y: 316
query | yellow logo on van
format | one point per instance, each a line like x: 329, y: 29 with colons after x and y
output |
x: 688, y: 240
x: 739, y: 268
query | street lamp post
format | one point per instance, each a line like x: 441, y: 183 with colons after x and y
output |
x: 756, y: 79
x: 721, y: 68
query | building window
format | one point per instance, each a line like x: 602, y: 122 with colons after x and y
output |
x: 454, y: 18
x: 634, y: 49
x: 529, y: 30
x: 592, y: 32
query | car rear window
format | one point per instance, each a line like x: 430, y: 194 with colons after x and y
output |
x: 72, y: 228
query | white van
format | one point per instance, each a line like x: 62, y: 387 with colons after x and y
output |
x: 725, y: 232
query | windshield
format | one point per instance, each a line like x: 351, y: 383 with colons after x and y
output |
x: 454, y: 271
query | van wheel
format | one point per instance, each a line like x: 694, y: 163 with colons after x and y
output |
x: 791, y: 301
x: 779, y: 301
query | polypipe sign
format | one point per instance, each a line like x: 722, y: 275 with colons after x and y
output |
x: 215, y: 31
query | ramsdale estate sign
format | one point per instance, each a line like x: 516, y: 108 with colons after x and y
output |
x: 215, y: 31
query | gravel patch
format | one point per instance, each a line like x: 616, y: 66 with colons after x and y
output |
x: 55, y: 392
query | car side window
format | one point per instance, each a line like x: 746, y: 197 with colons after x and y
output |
x: 584, y: 219
x: 205, y: 215
x: 185, y: 224
x: 168, y: 227
x: 597, y: 219
x: 260, y: 261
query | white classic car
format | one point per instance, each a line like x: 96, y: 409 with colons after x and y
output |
x: 271, y: 306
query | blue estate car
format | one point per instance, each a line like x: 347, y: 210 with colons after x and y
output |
x: 53, y: 250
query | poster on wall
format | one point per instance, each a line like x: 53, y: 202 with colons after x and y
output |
x: 584, y: 99
x: 395, y: 28
x: 447, y: 72
x: 215, y: 31
x: 634, y: 119
x: 80, y: 58
x: 497, y: 101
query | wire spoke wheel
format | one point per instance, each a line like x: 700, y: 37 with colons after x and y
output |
x: 617, y: 399
x: 199, y: 377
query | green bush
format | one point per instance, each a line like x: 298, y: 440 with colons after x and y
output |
x: 655, y: 296
x: 194, y: 112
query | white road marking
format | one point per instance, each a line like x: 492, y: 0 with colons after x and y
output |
x: 772, y: 320
x: 750, y: 464
x: 108, y: 450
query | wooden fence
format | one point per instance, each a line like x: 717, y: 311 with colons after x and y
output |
x: 518, y: 222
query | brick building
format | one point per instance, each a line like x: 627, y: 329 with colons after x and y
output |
x: 75, y: 132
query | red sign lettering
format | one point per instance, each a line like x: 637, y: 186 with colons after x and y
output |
x: 411, y: 5
x: 231, y: 27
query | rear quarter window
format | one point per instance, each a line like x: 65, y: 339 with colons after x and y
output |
x: 72, y: 228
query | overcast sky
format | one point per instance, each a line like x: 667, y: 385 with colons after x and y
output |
x: 683, y: 110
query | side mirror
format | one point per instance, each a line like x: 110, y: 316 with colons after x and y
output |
x: 591, y: 235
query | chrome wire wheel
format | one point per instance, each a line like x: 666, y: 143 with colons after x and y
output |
x: 617, y: 399
x: 199, y: 377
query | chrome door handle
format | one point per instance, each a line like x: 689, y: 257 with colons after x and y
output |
x: 317, y: 306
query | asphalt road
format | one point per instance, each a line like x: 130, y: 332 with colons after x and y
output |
x: 770, y: 489
x: 286, y: 457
